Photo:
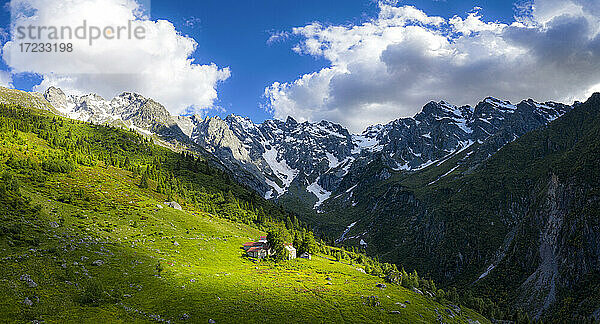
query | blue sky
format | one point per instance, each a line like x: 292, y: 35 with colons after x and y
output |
x: 356, y: 62
x: 234, y: 33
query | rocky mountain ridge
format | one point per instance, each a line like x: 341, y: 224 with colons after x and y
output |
x: 315, y: 158
x: 129, y: 110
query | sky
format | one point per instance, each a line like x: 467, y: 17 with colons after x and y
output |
x: 356, y: 62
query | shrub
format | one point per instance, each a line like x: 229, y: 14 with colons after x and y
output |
x: 92, y: 294
x: 58, y: 165
x: 9, y: 184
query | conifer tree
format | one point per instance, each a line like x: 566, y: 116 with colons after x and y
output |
x: 406, y: 282
x: 144, y: 181
x: 276, y: 237
x: 298, y: 242
x: 308, y: 243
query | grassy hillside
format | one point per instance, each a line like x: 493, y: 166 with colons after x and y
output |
x: 84, y: 238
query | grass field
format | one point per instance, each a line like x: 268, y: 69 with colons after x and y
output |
x: 205, y: 274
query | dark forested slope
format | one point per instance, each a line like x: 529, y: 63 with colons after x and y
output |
x: 522, y: 227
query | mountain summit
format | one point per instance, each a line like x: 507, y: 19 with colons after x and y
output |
x: 129, y: 110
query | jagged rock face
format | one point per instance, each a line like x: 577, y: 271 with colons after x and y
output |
x: 316, y: 157
x: 142, y: 112
x: 441, y: 129
x: 303, y: 152
x: 131, y: 109
x: 412, y: 143
x: 281, y: 152
x: 214, y: 134
x: 563, y: 253
x: 57, y: 98
x: 187, y: 123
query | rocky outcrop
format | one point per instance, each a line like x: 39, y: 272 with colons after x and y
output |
x: 214, y: 134
x: 568, y: 245
x: 127, y: 110
x: 540, y: 288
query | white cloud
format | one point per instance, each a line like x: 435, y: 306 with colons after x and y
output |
x: 192, y: 21
x: 5, y: 79
x: 473, y: 24
x: 276, y: 37
x: 546, y: 10
x: 159, y: 66
x: 392, y: 65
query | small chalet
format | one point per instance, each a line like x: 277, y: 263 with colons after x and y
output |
x: 259, y: 252
x: 261, y: 249
x: 291, y: 251
x: 258, y: 249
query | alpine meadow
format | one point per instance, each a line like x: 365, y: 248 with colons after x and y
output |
x: 363, y: 161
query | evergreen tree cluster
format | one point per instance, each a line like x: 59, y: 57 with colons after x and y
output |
x: 302, y: 240
x: 64, y: 145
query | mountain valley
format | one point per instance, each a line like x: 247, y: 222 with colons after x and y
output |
x: 498, y: 200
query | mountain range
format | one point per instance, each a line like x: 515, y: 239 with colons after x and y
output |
x: 281, y: 159
x: 498, y: 197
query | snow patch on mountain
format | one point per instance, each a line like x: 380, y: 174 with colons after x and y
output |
x: 275, y: 187
x: 280, y: 168
x: 443, y: 175
x: 319, y: 192
x: 504, y: 105
x: 367, y: 141
x: 349, y: 190
x: 333, y: 161
x: 487, y: 271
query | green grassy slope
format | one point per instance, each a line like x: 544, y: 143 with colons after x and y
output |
x: 58, y: 218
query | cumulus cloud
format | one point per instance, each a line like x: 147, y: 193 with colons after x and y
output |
x: 390, y: 66
x: 5, y: 79
x: 157, y: 65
